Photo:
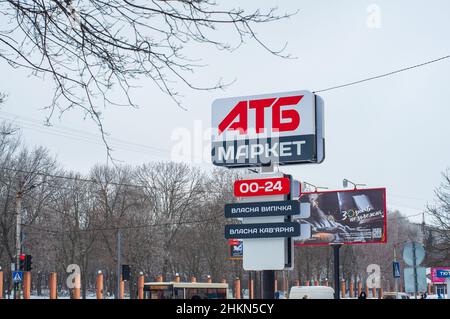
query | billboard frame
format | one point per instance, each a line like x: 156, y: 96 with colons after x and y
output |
x: 384, y: 241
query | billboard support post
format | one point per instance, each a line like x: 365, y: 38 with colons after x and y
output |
x: 268, y: 286
x: 336, y: 270
x: 395, y: 278
x: 415, y: 270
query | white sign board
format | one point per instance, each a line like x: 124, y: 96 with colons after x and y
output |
x: 413, y: 253
x: 410, y: 281
x: 264, y: 253
x: 447, y: 281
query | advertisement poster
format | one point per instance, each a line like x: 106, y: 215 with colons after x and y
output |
x: 347, y: 216
x: 236, y: 249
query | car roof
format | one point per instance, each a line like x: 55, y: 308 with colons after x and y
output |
x: 312, y: 288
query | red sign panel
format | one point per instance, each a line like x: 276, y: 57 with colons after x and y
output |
x: 233, y: 242
x: 262, y: 187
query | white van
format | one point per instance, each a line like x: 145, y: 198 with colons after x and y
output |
x: 311, y: 292
x: 395, y: 295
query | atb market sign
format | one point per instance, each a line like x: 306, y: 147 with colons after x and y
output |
x: 280, y: 128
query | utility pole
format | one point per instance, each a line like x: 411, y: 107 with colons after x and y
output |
x: 395, y: 278
x: 416, y: 285
x: 118, y: 264
x: 423, y: 227
x: 18, y: 239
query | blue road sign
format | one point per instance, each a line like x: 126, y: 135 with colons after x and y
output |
x: 396, y: 269
x: 443, y: 273
x: 260, y: 209
x: 17, y: 276
x: 262, y: 230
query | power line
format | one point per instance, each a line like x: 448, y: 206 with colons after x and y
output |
x: 79, y: 179
x: 80, y: 132
x: 382, y: 75
x: 49, y: 230
x: 94, y: 181
x: 409, y: 216
x: 407, y: 197
x: 67, y: 132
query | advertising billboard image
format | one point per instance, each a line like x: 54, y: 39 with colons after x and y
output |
x: 236, y: 250
x: 345, y: 216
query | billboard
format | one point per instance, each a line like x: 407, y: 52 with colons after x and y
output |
x: 236, y: 249
x: 434, y: 274
x: 284, y: 128
x: 345, y: 216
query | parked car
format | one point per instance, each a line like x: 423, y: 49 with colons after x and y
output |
x: 311, y: 292
x: 395, y: 295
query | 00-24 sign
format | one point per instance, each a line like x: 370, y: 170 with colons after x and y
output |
x: 262, y: 187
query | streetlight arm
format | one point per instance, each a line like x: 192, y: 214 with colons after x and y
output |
x: 346, y: 181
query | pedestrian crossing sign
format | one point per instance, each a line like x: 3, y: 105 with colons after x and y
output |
x: 396, y: 269
x: 17, y: 276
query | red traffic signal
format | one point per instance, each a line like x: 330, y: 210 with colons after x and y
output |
x: 22, y: 262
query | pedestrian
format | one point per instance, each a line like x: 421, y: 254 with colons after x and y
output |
x: 362, y: 295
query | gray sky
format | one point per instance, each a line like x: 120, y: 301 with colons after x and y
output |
x: 390, y: 132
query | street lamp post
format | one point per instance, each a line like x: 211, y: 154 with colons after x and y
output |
x: 18, y: 240
x: 395, y: 278
x: 19, y: 195
x: 305, y: 184
x: 355, y: 185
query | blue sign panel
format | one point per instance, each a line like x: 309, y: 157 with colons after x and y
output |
x: 396, y: 269
x: 443, y: 273
x: 266, y: 230
x: 276, y: 208
x: 17, y: 276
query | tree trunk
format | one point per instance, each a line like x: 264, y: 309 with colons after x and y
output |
x: 39, y: 284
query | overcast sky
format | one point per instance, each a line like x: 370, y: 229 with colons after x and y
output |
x: 391, y: 132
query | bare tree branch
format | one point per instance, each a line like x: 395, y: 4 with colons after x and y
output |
x: 94, y: 48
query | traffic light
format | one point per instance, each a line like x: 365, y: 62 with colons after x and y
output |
x: 28, y: 262
x: 21, y: 262
x: 126, y: 272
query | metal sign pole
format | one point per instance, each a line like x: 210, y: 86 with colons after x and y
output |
x: 395, y: 278
x: 119, y: 253
x: 416, y: 288
x: 336, y: 271
x: 268, y: 275
x: 18, y: 240
x: 268, y: 284
x: 447, y: 281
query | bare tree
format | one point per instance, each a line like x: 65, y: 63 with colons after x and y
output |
x: 9, y: 145
x: 89, y: 47
x: 175, y: 191
x: 440, y: 213
x: 2, y: 97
